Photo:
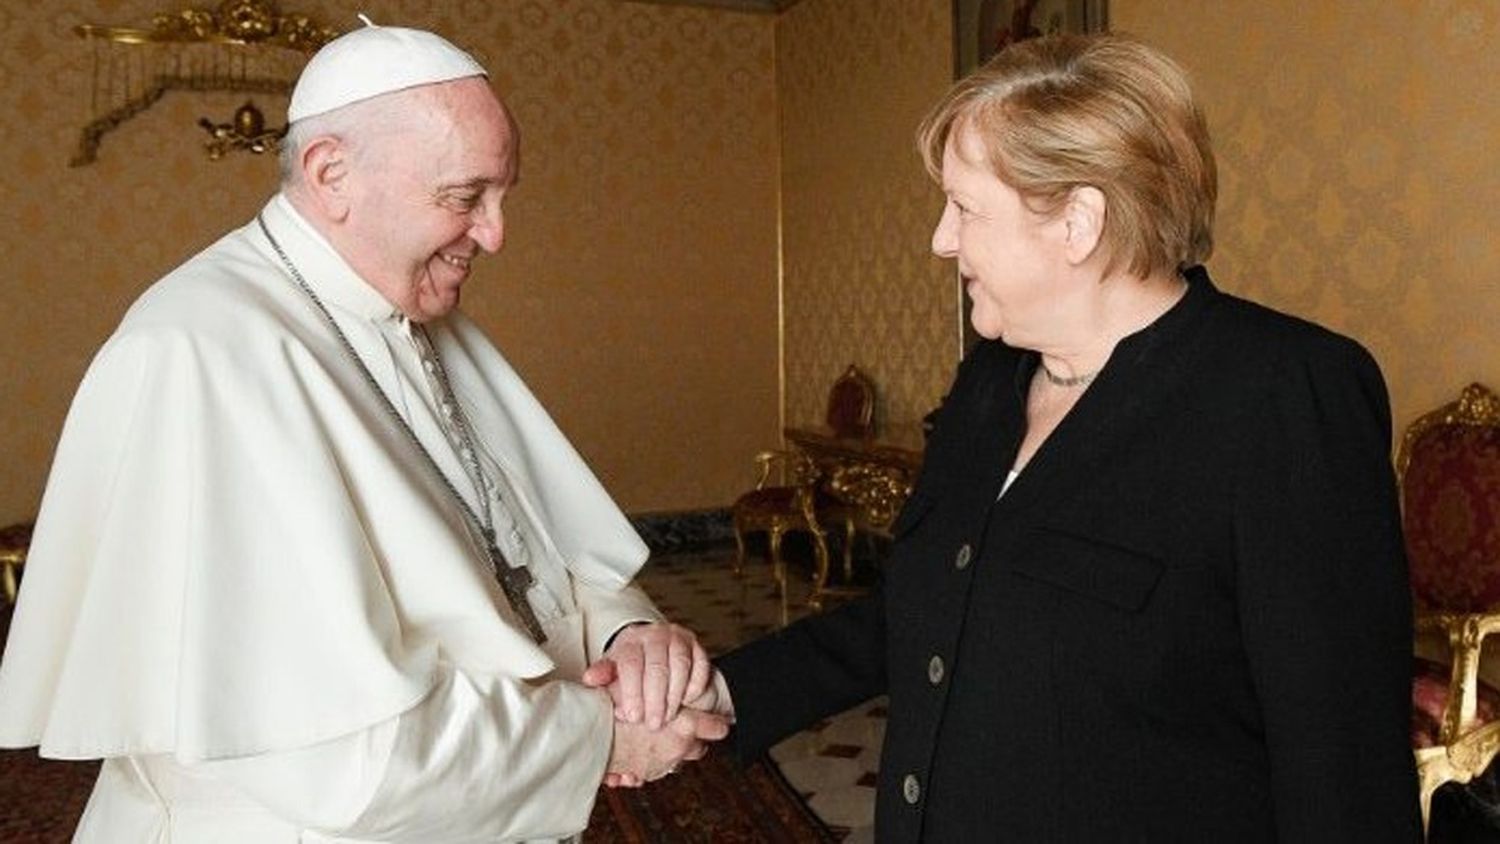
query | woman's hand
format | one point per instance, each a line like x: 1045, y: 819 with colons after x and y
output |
x: 650, y: 670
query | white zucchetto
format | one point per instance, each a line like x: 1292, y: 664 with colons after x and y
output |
x: 375, y: 60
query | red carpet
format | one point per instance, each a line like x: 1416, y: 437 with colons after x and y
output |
x: 40, y: 800
x: 713, y: 800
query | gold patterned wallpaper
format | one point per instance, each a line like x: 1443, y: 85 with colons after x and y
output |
x: 637, y: 290
x: 860, y: 284
x: 1359, y: 185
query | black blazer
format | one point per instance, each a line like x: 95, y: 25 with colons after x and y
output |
x: 1187, y: 619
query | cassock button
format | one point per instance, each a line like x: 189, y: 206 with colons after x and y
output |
x: 965, y: 553
x: 429, y: 365
x: 911, y: 789
x: 935, y: 670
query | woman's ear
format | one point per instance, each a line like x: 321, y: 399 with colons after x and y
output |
x: 325, y: 176
x: 1084, y: 216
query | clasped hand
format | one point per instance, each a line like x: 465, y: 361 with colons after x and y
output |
x: 653, y: 673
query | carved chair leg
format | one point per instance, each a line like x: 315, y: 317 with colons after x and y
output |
x: 778, y: 567
x: 1433, y: 770
x: 848, y: 551
x: 8, y: 579
x: 820, y: 577
x: 785, y: 614
x: 739, y: 559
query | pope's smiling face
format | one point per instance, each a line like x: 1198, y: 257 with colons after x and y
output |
x: 426, y: 197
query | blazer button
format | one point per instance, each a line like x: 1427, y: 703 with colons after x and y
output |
x: 935, y: 670
x: 965, y: 553
x: 911, y: 789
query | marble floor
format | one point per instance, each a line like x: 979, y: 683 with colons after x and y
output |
x: 833, y: 763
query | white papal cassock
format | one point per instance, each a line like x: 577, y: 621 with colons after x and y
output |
x: 253, y: 598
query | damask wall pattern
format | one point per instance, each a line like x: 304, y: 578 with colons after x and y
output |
x: 641, y: 257
x: 1359, y: 185
x: 640, y: 264
x: 860, y: 284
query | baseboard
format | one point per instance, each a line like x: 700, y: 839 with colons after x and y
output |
x: 681, y: 530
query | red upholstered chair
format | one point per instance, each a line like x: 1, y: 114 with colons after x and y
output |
x: 802, y: 500
x: 778, y: 508
x: 851, y: 405
x: 1449, y: 467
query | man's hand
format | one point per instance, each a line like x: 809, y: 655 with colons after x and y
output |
x: 649, y: 670
x: 715, y: 698
x: 641, y: 754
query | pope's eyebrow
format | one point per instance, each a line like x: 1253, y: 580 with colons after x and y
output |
x: 478, y: 183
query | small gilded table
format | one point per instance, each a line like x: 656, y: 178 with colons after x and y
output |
x: 870, y: 477
x: 874, y: 475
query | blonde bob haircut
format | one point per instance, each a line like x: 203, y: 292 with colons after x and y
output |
x: 1057, y: 113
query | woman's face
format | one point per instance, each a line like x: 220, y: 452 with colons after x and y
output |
x: 1009, y: 257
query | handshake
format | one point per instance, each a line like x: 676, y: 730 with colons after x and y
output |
x: 669, y: 701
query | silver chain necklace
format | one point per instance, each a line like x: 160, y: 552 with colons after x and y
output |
x: 514, y: 581
x: 449, y: 403
x: 1070, y: 381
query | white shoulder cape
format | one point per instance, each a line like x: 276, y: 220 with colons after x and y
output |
x: 237, y: 553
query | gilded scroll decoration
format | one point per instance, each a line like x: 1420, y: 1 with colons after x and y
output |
x: 877, y: 491
x: 244, y: 46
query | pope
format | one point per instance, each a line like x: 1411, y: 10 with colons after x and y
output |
x: 312, y: 563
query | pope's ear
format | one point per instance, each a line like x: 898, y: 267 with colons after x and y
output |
x: 1084, y: 214
x: 325, y: 175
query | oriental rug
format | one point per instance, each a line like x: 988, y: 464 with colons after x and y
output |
x: 41, y: 799
x: 713, y: 800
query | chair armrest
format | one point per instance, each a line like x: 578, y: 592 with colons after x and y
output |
x: 1480, y: 624
x: 1458, y: 762
x: 1465, y: 633
x: 797, y: 468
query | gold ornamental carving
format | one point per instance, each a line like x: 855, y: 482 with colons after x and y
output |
x: 877, y: 491
x: 242, y: 46
x: 1476, y: 405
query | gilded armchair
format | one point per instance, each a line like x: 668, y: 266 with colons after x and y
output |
x: 802, y: 501
x: 1449, y: 468
x: 779, y: 508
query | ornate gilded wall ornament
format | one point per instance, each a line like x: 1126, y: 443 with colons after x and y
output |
x: 247, y: 131
x: 245, y: 46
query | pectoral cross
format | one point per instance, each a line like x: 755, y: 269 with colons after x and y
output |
x: 514, y: 581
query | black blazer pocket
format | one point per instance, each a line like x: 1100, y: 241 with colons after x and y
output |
x: 1099, y: 569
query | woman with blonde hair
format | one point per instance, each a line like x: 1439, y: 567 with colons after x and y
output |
x: 1150, y: 585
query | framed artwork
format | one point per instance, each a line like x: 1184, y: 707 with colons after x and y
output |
x: 981, y: 28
